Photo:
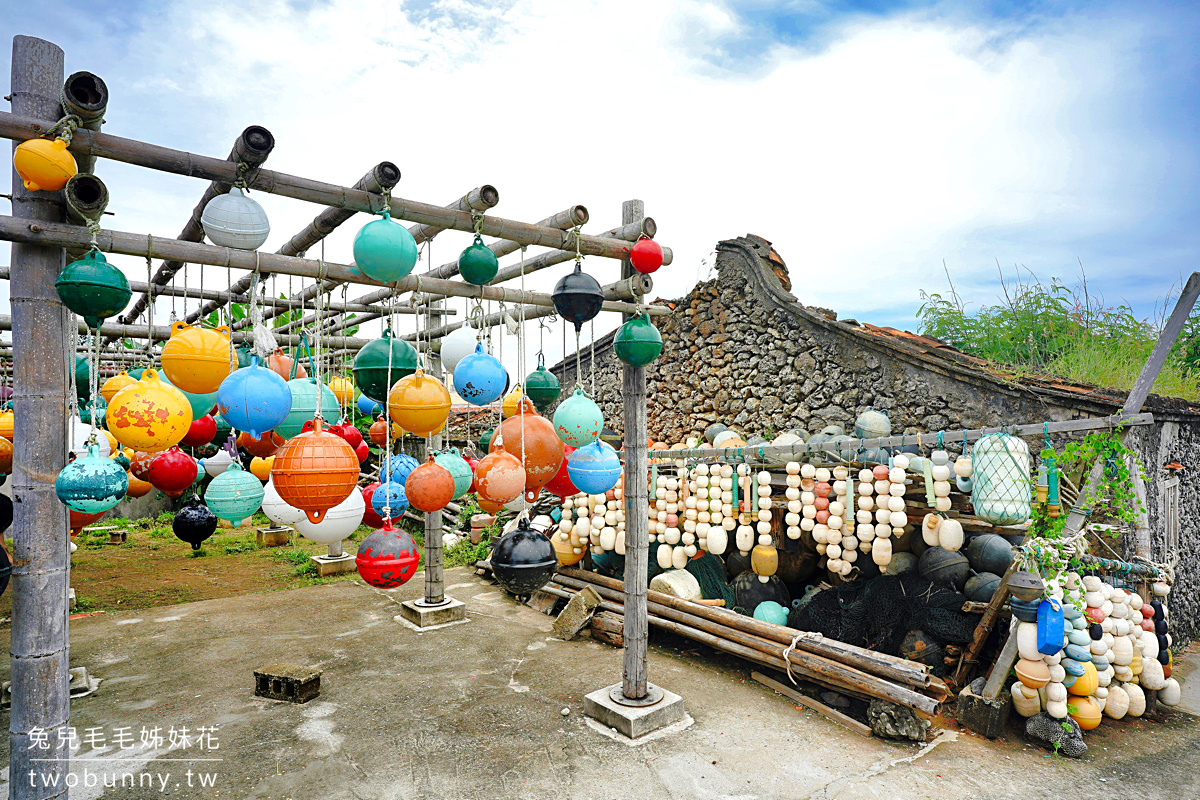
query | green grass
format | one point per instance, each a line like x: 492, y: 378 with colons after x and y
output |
x: 1065, y: 331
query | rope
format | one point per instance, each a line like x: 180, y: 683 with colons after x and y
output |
x: 65, y: 128
x: 800, y: 635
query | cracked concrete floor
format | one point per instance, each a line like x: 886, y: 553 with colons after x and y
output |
x: 474, y: 711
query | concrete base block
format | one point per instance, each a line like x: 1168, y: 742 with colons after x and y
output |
x: 634, y: 722
x: 334, y: 565
x: 426, y: 616
x: 273, y: 537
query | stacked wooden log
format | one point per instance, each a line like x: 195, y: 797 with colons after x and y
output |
x: 851, y: 670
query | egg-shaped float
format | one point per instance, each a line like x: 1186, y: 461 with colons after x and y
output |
x: 277, y: 509
x: 457, y: 345
x: 235, y: 220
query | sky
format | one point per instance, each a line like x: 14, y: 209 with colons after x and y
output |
x: 881, y: 146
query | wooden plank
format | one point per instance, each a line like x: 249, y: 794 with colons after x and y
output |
x: 813, y: 705
x: 983, y: 629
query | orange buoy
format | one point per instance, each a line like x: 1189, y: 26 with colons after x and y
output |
x: 7, y: 425
x: 500, y: 478
x: 139, y: 465
x: 429, y: 487
x: 79, y: 520
x: 488, y: 506
x: 266, y: 445
x: 261, y: 467
x: 532, y: 439
x: 6, y: 456
x: 138, y: 487
x: 419, y: 404
x: 315, y: 470
x: 281, y: 364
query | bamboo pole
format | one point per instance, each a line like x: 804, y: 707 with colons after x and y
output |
x: 86, y: 96
x: 381, y: 177
x: 61, y: 235
x: 161, y: 333
x: 42, y: 342
x: 435, y: 584
x: 480, y: 198
x: 563, y: 220
x: 252, y: 147
x: 628, y: 232
x: 179, y: 162
x: 86, y: 197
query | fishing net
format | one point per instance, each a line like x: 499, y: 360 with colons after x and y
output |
x: 709, y: 572
x: 879, y: 613
x: 1001, y: 486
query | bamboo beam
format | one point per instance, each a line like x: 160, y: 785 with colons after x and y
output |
x: 40, y: 539
x: 480, y: 198
x: 380, y: 178
x: 86, y: 197
x: 252, y: 146
x: 629, y: 233
x: 160, y: 333
x: 179, y: 162
x: 563, y: 220
x: 57, y: 234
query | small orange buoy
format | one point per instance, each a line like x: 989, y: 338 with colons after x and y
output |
x: 500, y: 478
x: 139, y: 465
x: 138, y: 487
x: 429, y: 487
x: 281, y: 364
x: 7, y: 425
x: 266, y: 445
x: 6, y: 456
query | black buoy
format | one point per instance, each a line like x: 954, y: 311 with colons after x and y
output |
x: 523, y: 561
x: 194, y: 522
x: 6, y: 513
x: 6, y: 569
x: 750, y: 590
x: 577, y: 297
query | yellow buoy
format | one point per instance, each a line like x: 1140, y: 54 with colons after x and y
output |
x: 342, y: 389
x: 115, y: 384
x: 150, y: 414
x: 44, y: 165
x: 419, y: 404
x: 197, y: 359
x: 261, y: 467
x: 7, y: 425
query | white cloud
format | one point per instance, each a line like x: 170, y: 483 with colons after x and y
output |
x: 904, y: 142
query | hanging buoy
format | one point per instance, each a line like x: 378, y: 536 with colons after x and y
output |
x: 217, y: 463
x: 646, y: 255
x: 149, y: 415
x: 315, y: 471
x: 197, y: 360
x: 480, y: 378
x: 387, y: 558
x: 532, y: 439
x: 542, y: 386
x: 109, y: 389
x: 234, y: 495
x: 457, y: 345
x: 578, y: 420
x: 93, y: 288
x: 83, y: 378
x: 277, y: 509
x: 92, y: 484
x: 419, y: 404
x: 173, y: 470
x: 370, y: 518
x: 261, y: 467
x: 201, y: 403
x: 429, y: 487
x: 368, y: 407
x: 342, y: 389
x: 304, y: 405
x: 262, y: 446
x: 371, y: 365
x: 399, y: 467
x: 8, y: 426
x: 638, y: 342
x: 513, y: 401
x: 594, y: 468
x: 337, y: 523
x: 577, y: 297
x: 137, y: 486
x: 201, y: 431
x: 235, y: 220
x: 389, y: 500
x: 6, y: 458
x: 194, y: 523
x: 523, y: 560
x: 499, y: 477
x: 561, y: 483
x: 477, y: 264
x: 97, y: 407
x: 285, y: 366
x: 255, y: 399
x: 385, y: 251
x: 44, y: 165
x: 459, y: 470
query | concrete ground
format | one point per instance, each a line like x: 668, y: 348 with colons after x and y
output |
x: 474, y: 711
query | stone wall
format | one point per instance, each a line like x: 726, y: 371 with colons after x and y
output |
x: 740, y: 349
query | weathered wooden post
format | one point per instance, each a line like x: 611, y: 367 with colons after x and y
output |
x: 43, y: 339
x: 435, y: 608
x: 635, y: 707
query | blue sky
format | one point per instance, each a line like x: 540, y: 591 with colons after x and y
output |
x: 870, y: 141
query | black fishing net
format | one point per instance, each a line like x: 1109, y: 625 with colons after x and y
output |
x: 879, y: 613
x: 709, y: 572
